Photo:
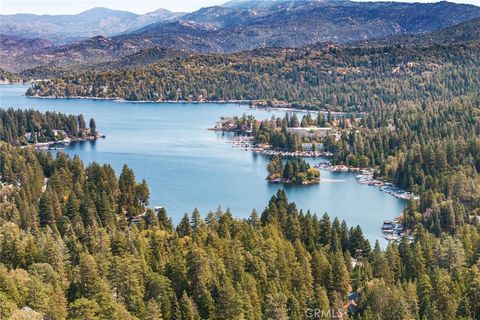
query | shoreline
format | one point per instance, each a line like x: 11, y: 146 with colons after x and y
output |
x: 238, y: 102
x: 335, y: 113
x: 244, y: 143
x: 366, y: 177
x: 289, y: 182
x: 52, y: 145
x: 120, y: 100
x: 7, y: 82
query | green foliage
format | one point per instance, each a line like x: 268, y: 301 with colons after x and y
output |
x: 82, y: 244
x: 21, y: 127
x: 295, y: 170
x: 67, y: 262
x: 341, y: 78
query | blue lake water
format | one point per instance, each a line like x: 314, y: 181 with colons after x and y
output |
x: 188, y: 166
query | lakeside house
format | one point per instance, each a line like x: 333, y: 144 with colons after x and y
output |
x: 313, y: 147
x: 310, y: 132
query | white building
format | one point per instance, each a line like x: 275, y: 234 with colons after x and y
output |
x: 313, y: 147
x: 310, y: 131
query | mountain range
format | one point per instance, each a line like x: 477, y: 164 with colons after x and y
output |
x: 62, y: 29
x: 235, y: 26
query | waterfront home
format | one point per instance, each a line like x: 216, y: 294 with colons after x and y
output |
x: 310, y: 132
x: 313, y: 147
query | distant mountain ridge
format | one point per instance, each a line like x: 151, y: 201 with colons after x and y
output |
x: 468, y: 31
x: 464, y: 35
x: 299, y: 23
x: 244, y: 25
x: 63, y: 29
x: 160, y: 15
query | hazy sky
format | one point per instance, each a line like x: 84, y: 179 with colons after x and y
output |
x: 137, y: 6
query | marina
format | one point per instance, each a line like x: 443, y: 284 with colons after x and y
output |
x: 393, y: 230
x: 367, y: 178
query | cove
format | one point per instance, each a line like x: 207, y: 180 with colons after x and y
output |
x: 187, y: 166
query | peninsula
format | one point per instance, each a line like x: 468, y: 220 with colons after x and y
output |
x: 44, y: 130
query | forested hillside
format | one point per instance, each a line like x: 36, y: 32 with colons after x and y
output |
x: 85, y: 248
x: 80, y: 242
x: 336, y: 78
x: 217, y: 29
x: 464, y: 32
x: 431, y: 149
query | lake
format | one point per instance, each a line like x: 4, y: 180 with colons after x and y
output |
x: 187, y: 166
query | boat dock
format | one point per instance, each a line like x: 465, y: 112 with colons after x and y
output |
x: 393, y: 230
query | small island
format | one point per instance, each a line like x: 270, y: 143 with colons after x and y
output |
x: 292, y: 171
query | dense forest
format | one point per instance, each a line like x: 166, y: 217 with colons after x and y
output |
x: 84, y: 246
x: 430, y: 149
x: 80, y: 242
x: 296, y: 171
x: 22, y: 127
x: 340, y: 78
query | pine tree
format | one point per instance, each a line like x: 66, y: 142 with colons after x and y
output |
x: 93, y: 127
x: 188, y: 310
x: 46, y: 210
x: 184, y: 228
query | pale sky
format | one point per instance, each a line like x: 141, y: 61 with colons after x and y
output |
x: 137, y: 6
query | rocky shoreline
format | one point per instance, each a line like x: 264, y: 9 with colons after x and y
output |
x: 365, y: 177
x: 241, y: 102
